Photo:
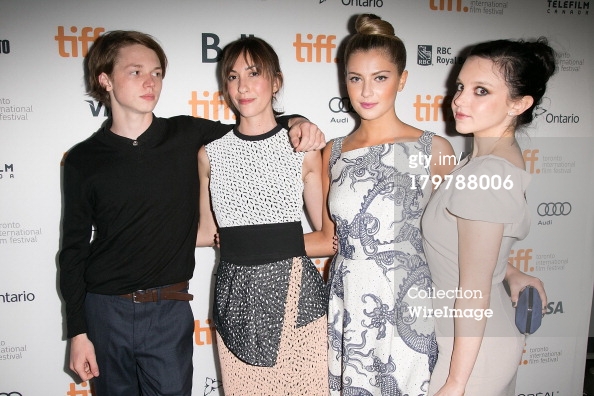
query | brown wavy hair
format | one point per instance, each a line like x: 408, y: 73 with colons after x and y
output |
x: 262, y: 56
x: 104, y: 52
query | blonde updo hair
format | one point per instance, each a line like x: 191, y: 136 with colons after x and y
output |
x: 373, y: 33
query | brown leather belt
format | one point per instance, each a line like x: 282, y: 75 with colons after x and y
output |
x: 171, y: 292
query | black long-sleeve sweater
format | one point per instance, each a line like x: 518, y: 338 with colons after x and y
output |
x: 141, y: 196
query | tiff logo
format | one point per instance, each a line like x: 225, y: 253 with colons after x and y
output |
x: 68, y: 44
x: 521, y: 259
x: 531, y: 158
x: 214, y: 103
x: 323, y: 46
x: 430, y: 108
x: 443, y: 5
x: 84, y: 390
x: 208, y: 331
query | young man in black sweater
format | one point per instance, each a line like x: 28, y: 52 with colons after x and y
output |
x: 135, y: 180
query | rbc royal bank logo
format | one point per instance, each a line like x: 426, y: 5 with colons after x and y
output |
x: 424, y: 55
x: 445, y: 56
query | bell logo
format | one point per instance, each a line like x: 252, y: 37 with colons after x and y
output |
x: 521, y: 259
x: 211, y: 48
x: 443, y: 5
x: 208, y: 331
x: 323, y: 46
x: 87, y: 35
x: 531, y: 158
x: 210, y: 106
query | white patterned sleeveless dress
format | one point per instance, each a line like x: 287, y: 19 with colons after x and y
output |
x: 270, y: 300
x: 380, y: 343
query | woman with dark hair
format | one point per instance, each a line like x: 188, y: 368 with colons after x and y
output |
x: 469, y: 228
x: 270, y: 302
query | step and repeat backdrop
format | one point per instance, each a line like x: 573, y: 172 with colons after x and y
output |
x: 44, y: 111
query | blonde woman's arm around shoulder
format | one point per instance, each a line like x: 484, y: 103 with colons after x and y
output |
x: 207, y: 227
x: 319, y: 243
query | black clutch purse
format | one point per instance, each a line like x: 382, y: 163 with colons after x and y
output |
x: 528, y: 311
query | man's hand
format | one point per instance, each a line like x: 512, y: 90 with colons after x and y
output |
x: 82, y: 357
x: 305, y: 136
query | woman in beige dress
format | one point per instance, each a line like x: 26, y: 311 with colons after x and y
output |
x: 470, y: 223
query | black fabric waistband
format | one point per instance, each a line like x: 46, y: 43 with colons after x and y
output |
x: 261, y: 244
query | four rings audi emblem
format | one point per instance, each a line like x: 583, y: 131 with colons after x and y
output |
x: 554, y: 209
x: 340, y: 105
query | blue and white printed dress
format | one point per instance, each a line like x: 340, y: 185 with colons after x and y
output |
x: 378, y: 343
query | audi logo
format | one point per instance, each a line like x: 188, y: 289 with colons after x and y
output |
x: 554, y: 209
x: 10, y: 394
x: 340, y: 105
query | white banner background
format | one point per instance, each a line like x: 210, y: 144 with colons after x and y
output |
x: 44, y: 111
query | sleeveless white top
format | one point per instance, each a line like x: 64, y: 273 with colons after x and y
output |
x: 255, y: 179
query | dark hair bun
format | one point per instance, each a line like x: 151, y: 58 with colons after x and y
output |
x: 544, y: 54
